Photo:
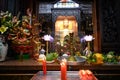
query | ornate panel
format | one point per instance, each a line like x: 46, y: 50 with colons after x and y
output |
x: 109, y: 22
x: 47, y: 17
x: 110, y: 27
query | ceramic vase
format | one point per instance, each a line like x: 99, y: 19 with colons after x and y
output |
x: 3, y: 48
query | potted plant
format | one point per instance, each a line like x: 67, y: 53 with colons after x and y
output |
x: 6, y: 23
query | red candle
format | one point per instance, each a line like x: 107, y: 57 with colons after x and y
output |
x: 63, y: 69
x: 44, y: 66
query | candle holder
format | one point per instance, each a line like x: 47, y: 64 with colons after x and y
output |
x: 46, y: 47
x: 88, y: 39
x: 88, y: 46
x: 71, y: 43
x: 47, y: 38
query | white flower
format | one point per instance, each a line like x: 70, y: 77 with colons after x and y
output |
x: 48, y: 38
x: 88, y: 38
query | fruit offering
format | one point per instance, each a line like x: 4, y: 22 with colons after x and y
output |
x: 86, y: 75
x: 99, y: 58
x: 96, y: 58
x: 91, y: 59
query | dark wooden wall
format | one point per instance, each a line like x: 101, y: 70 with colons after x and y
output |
x: 16, y: 6
x: 109, y: 25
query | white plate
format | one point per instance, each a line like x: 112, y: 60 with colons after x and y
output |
x: 49, y: 62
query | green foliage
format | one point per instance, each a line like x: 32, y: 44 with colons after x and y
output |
x: 51, y: 56
x: 7, y: 22
x: 91, y: 59
x: 110, y: 57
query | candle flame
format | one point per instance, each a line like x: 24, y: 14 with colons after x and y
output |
x: 63, y: 62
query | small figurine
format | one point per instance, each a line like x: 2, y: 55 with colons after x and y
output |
x: 42, y: 55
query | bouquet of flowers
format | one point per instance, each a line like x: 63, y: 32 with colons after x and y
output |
x: 7, y: 21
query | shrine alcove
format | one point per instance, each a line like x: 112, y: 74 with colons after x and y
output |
x: 65, y: 25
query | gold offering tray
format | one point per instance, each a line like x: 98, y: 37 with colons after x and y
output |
x: 79, y: 60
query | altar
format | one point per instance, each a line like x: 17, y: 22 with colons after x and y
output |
x: 28, y: 68
x: 29, y: 23
x: 71, y: 75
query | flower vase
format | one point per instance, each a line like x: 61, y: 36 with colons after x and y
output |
x: 3, y: 48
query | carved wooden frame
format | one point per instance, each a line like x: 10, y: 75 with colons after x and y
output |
x: 65, y: 12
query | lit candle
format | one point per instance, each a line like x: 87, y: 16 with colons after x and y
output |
x: 63, y: 69
x: 44, y: 66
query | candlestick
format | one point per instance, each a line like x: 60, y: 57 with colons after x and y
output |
x: 47, y: 38
x: 46, y: 47
x: 44, y: 66
x: 88, y: 38
x: 88, y: 44
x: 63, y: 69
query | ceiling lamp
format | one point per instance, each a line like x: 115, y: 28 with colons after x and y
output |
x: 63, y: 0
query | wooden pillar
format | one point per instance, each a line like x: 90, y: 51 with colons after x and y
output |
x: 96, y: 29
